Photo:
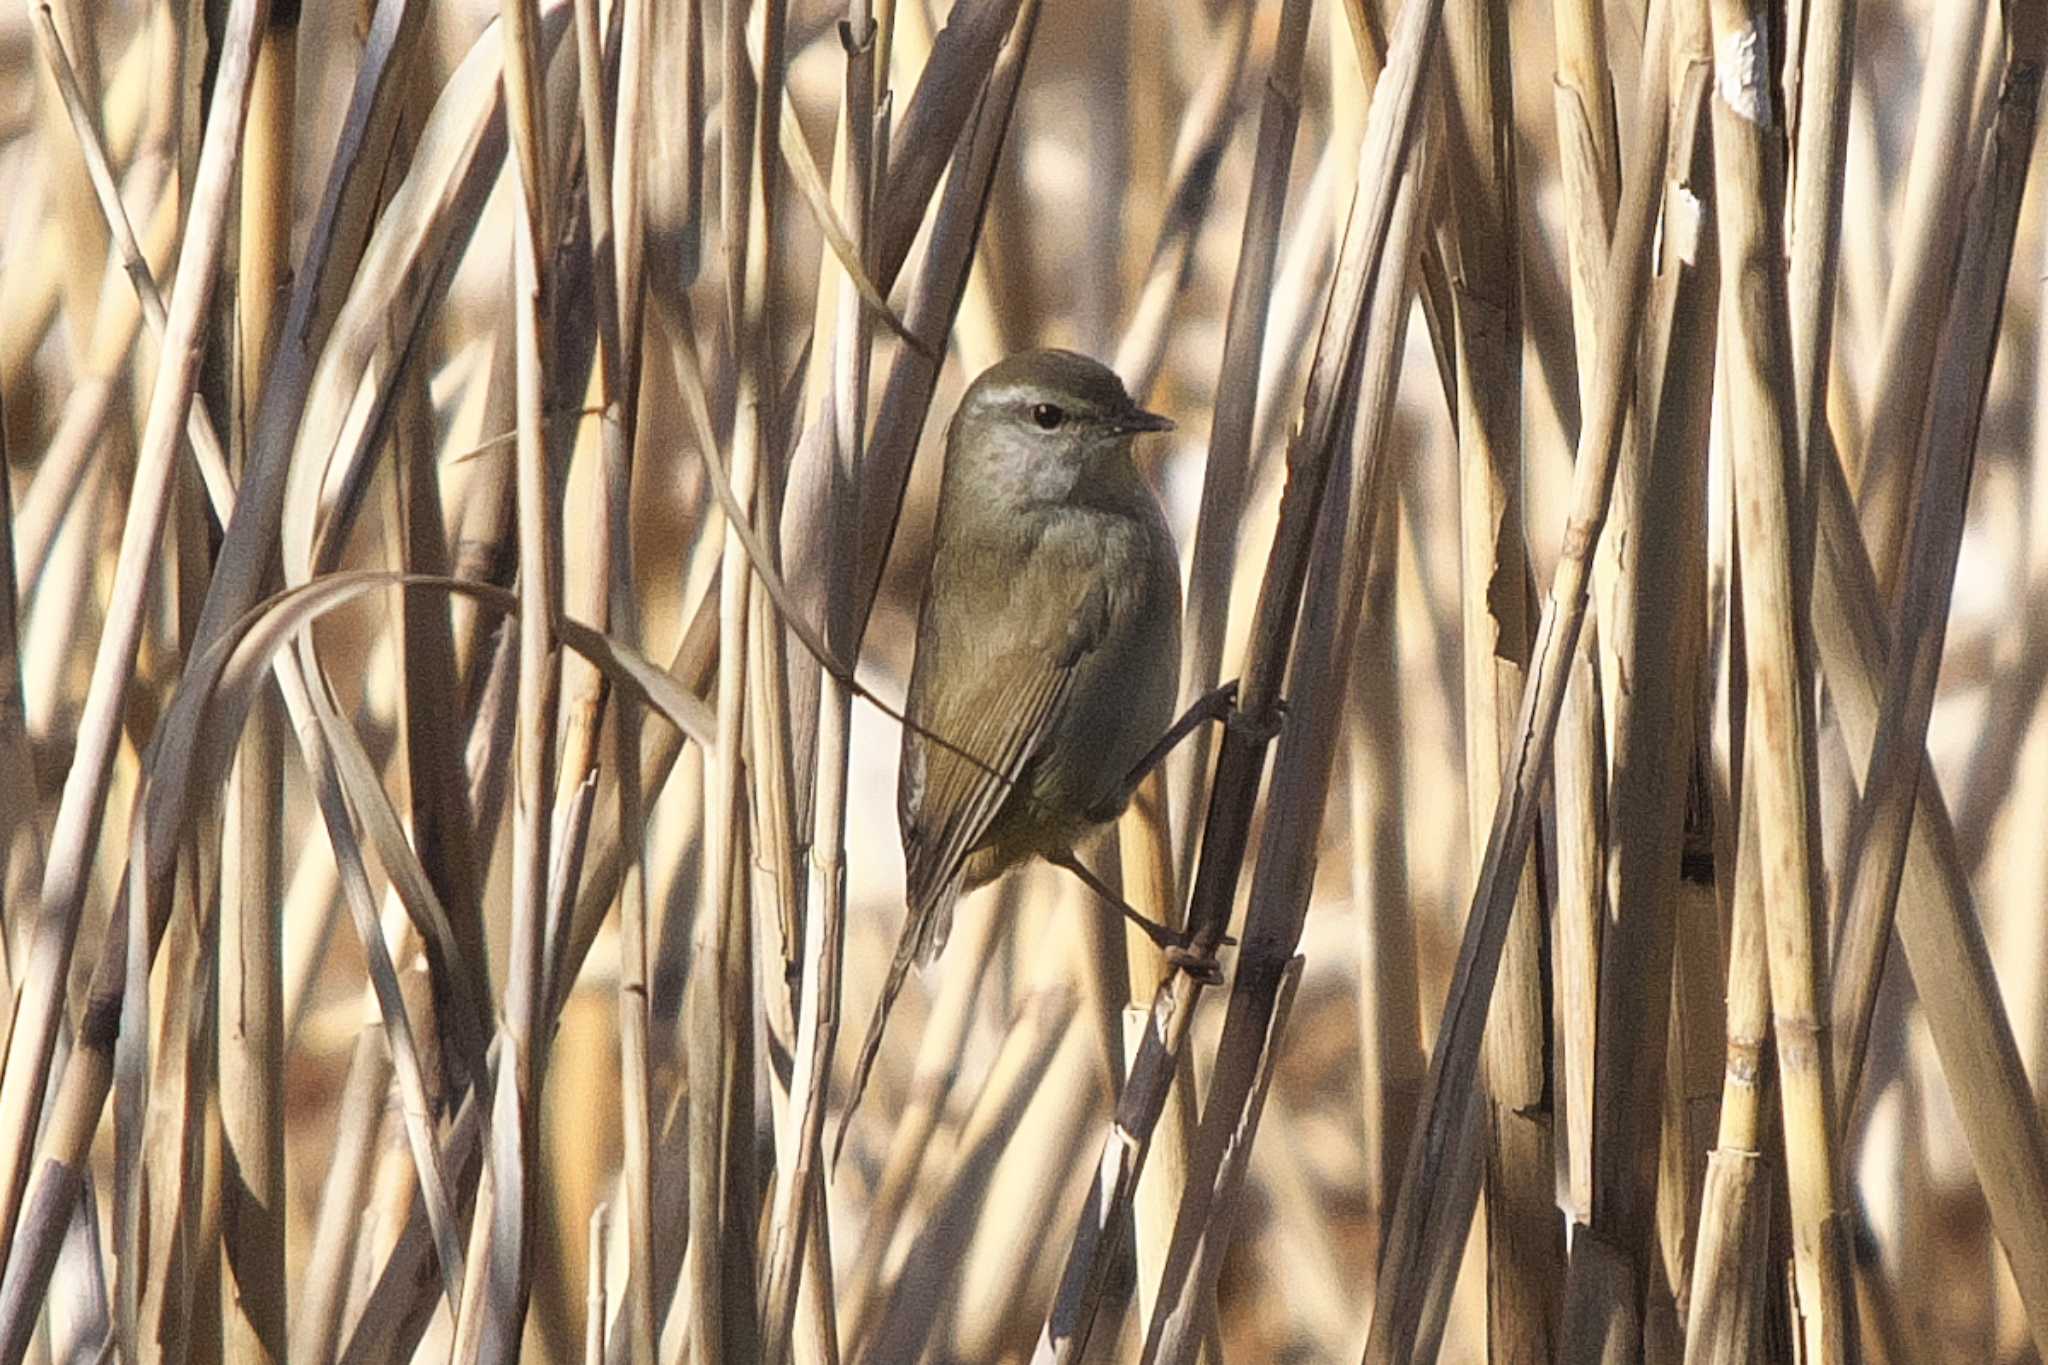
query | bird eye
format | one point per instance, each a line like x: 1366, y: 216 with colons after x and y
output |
x: 1048, y: 416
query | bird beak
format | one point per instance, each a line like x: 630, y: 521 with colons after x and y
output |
x: 1138, y: 420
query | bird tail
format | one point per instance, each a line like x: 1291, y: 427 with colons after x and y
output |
x: 924, y: 935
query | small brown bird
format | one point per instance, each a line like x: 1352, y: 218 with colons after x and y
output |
x: 1048, y: 645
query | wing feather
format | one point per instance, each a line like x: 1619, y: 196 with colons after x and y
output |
x: 946, y: 800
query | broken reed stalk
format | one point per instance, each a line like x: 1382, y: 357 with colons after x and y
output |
x: 1418, y: 1257
x: 1524, y: 1239
x: 1589, y: 164
x: 1389, y: 140
x: 1777, y: 593
x: 1590, y: 174
x: 75, y: 835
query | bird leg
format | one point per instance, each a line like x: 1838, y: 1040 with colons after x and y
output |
x: 1214, y: 704
x: 1177, y: 944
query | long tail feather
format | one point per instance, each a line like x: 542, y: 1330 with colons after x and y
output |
x: 924, y: 934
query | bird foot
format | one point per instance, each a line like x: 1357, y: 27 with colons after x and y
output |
x: 1259, y: 728
x: 1201, y: 966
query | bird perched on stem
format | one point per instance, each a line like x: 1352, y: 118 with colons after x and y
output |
x: 1048, y: 649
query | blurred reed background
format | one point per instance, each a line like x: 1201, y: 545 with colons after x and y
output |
x: 443, y: 444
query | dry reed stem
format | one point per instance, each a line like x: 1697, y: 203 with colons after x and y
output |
x: 1729, y: 1284
x: 1205, y: 131
x: 162, y: 1276
x: 239, y: 575
x: 1524, y: 1238
x: 942, y: 279
x: 1776, y: 590
x: 1962, y: 372
x: 20, y: 852
x: 395, y: 1310
x: 629, y: 215
x: 1579, y: 784
x: 774, y: 832
x: 1936, y: 922
x: 1181, y: 1329
x: 1386, y: 147
x: 504, y: 1243
x: 378, y: 385
x: 1369, y: 46
x: 1027, y: 1094
x: 1418, y: 1254
x: 1589, y: 167
x: 1694, y: 1069
x: 432, y: 723
x: 184, y: 745
x: 723, y: 925
x: 300, y: 704
x: 1145, y: 834
x: 75, y: 834
x: 344, y: 1194
x: 947, y: 101
x: 584, y: 695
x: 934, y: 1074
x: 207, y: 449
x: 594, y: 1293
x: 251, y: 1047
x: 1651, y: 639
x: 1826, y: 49
x: 607, y: 600
x: 1923, y: 277
x: 1589, y: 163
x: 1267, y: 962
x: 799, y: 1188
x: 1390, y: 1043
x: 1217, y: 527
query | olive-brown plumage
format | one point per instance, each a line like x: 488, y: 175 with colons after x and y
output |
x: 1048, y: 640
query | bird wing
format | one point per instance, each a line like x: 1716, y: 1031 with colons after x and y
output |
x: 979, y: 717
x: 979, y: 731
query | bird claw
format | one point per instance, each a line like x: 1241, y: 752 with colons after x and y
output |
x: 1261, y: 727
x: 1201, y: 966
